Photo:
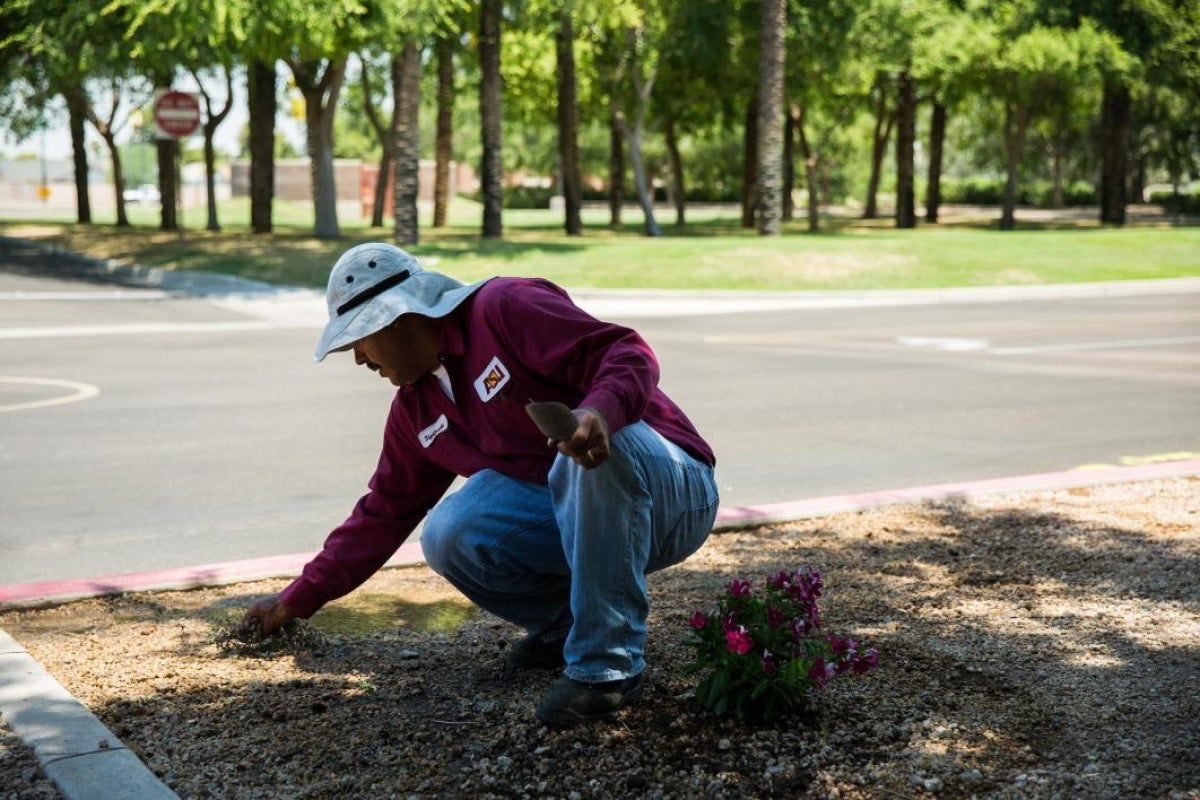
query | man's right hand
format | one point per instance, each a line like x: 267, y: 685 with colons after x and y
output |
x: 267, y: 616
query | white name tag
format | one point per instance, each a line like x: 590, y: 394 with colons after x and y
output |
x: 433, y: 431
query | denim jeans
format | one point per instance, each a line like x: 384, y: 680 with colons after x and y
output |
x: 570, y: 559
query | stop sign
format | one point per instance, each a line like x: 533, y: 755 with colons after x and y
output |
x: 177, y: 114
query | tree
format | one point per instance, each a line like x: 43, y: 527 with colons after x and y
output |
x: 387, y: 148
x: 212, y: 120
x: 770, y: 116
x: 491, y: 171
x: 320, y: 81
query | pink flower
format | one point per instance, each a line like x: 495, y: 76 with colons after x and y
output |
x: 738, y: 641
x: 739, y: 589
x: 817, y: 673
x: 699, y: 620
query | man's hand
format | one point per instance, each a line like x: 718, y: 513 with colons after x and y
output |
x: 267, y: 616
x: 588, y: 446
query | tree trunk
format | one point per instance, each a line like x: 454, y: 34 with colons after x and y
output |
x: 810, y: 174
x: 492, y: 169
x: 444, y: 138
x: 676, y: 160
x: 906, y: 135
x: 769, y: 180
x: 211, y: 124
x: 884, y: 119
x: 387, y: 147
x: 568, y: 124
x: 76, y: 110
x: 262, y: 144
x: 789, y: 164
x: 1115, y: 120
x: 616, y: 169
x: 750, y: 163
x: 321, y: 83
x: 937, y: 137
x: 1057, y: 199
x: 406, y: 130
x: 1015, y: 125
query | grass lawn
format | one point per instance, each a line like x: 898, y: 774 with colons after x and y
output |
x: 711, y: 252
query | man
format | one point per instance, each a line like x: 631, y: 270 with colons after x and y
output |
x: 555, y: 536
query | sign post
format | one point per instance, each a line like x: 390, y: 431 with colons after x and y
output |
x: 177, y: 114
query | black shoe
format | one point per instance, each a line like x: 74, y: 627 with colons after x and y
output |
x: 534, y: 653
x: 570, y: 702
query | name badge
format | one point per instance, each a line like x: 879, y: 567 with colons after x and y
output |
x: 433, y: 431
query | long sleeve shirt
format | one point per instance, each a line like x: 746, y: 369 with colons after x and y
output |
x: 514, y: 341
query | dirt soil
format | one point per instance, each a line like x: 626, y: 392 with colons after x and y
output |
x: 1037, y: 645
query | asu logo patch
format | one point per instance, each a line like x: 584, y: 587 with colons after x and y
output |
x: 491, y: 380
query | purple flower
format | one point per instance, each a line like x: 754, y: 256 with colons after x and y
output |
x: 738, y: 641
x: 842, y: 647
x: 817, y: 672
x: 768, y: 662
x: 775, y: 617
x: 699, y: 620
x: 868, y: 660
x: 781, y: 581
x: 739, y: 589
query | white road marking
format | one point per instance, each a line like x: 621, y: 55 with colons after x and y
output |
x: 79, y: 391
x: 943, y: 343
x: 115, y: 294
x: 133, y: 328
x: 1068, y: 347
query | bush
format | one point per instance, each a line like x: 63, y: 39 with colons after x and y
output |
x: 1177, y: 203
x: 764, y: 655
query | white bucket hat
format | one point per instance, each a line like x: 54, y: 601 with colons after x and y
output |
x: 373, y: 284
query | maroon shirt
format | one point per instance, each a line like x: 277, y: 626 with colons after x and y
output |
x: 514, y: 341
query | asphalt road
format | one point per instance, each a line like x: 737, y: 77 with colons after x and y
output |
x: 142, y: 430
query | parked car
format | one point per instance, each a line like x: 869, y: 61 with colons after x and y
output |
x: 146, y: 193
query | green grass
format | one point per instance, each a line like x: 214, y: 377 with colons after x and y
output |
x: 711, y: 252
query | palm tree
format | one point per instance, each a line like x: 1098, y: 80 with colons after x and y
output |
x: 492, y: 169
x: 770, y: 116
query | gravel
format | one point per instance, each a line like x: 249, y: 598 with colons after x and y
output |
x: 1036, y: 645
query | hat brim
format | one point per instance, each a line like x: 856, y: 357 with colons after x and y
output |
x: 427, y: 293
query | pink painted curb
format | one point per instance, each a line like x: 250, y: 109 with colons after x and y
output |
x: 745, y: 516
x: 51, y: 592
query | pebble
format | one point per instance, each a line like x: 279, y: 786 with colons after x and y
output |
x: 724, y: 744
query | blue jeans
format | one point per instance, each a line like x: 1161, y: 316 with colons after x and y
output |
x: 570, y: 559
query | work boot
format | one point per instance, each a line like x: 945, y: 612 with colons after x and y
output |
x: 533, y: 652
x: 570, y: 702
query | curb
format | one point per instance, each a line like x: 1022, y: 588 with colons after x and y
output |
x: 85, y: 761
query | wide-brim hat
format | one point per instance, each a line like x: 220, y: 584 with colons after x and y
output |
x: 373, y: 284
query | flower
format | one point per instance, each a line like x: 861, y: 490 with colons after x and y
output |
x: 738, y: 641
x: 739, y: 589
x: 762, y: 653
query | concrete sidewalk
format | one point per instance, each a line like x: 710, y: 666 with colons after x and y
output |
x: 85, y: 761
